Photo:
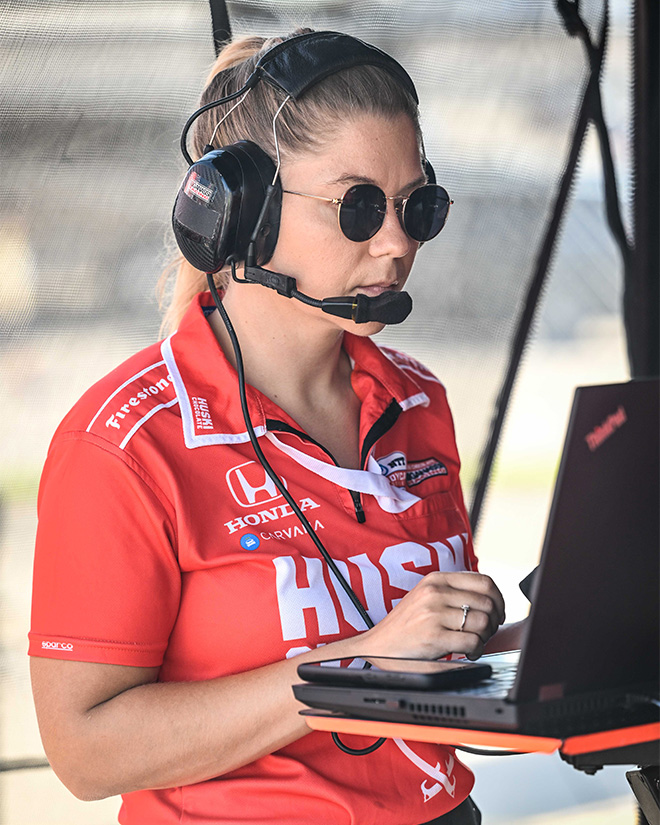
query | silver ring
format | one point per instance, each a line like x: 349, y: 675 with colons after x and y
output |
x: 466, y: 609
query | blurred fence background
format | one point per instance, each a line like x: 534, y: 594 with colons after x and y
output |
x: 93, y: 95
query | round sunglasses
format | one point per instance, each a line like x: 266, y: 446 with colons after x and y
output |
x: 361, y: 210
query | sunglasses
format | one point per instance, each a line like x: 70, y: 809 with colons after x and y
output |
x: 361, y: 211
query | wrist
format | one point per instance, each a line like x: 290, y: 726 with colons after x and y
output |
x: 341, y: 649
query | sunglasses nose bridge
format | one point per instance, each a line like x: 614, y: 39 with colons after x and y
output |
x: 392, y: 230
x: 399, y: 205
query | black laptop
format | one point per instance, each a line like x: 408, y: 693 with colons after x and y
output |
x: 590, y: 657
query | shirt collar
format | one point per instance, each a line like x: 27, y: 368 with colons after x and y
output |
x: 206, y: 383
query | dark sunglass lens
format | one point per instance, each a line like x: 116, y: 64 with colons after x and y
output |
x: 362, y: 212
x: 425, y: 212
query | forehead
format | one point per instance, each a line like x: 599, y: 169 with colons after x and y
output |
x: 363, y: 148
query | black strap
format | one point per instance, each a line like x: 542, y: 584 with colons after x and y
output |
x: 220, y: 24
x: 590, y: 110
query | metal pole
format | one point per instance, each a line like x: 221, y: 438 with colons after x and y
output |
x: 642, y: 294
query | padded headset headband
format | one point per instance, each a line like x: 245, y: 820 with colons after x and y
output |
x: 297, y: 64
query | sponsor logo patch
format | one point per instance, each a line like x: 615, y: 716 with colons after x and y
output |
x: 265, y: 516
x: 139, y: 398
x: 419, y: 471
x: 250, y: 485
x: 394, y: 467
x: 249, y: 541
x: 198, y: 188
x: 403, y: 473
x: 203, y: 420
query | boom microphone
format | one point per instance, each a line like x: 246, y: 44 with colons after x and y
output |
x: 387, y: 308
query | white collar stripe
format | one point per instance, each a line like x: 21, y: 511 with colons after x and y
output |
x: 414, y: 401
x: 207, y: 439
x: 190, y: 438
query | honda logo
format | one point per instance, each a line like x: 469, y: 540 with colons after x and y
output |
x: 249, y: 484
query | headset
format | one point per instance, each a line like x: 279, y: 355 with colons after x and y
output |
x: 227, y: 211
x: 228, y: 207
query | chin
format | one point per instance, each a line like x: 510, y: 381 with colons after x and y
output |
x: 365, y: 330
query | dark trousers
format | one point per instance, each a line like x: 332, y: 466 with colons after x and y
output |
x: 466, y: 813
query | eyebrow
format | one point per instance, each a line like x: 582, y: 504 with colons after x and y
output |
x: 354, y: 179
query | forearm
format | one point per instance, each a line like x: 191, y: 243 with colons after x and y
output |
x: 162, y: 735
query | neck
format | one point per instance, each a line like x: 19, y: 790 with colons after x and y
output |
x: 294, y: 357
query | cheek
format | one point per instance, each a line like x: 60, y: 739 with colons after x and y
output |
x: 310, y: 241
x: 410, y: 258
x: 302, y: 230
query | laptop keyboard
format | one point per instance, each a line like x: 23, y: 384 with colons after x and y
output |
x: 500, y: 683
x: 497, y: 686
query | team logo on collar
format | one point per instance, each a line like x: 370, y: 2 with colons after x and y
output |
x: 403, y: 473
x: 250, y: 484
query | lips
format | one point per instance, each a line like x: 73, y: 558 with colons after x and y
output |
x: 374, y: 290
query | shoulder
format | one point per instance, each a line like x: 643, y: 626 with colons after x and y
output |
x: 117, y: 406
x: 413, y: 368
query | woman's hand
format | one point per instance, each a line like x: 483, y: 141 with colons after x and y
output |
x: 426, y: 623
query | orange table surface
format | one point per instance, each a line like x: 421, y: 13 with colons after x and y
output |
x: 589, y: 743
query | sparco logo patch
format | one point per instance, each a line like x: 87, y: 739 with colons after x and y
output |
x: 403, y: 473
x: 57, y: 646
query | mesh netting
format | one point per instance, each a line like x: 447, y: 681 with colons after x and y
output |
x: 92, y: 99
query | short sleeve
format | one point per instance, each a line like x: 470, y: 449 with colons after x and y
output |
x: 106, y: 584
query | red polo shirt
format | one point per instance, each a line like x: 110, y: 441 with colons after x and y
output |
x: 162, y: 542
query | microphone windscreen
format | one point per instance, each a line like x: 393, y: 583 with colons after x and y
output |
x: 387, y: 308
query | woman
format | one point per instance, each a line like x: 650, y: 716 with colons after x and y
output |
x: 175, y: 592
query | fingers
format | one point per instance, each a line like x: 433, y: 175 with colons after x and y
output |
x: 444, y: 613
x: 470, y: 645
x: 476, y: 590
x: 473, y: 620
x: 468, y: 609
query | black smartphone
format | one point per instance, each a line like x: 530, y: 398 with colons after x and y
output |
x: 389, y: 672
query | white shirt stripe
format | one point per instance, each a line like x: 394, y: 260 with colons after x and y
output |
x: 144, y: 419
x: 370, y: 481
x: 119, y: 389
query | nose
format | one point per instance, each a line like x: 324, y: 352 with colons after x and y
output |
x: 391, y: 239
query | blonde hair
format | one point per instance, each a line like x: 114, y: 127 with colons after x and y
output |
x: 301, y: 126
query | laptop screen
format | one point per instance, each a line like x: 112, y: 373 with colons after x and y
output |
x: 594, y: 620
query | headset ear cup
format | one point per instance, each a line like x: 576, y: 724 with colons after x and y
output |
x: 258, y: 171
x: 218, y: 205
x: 430, y: 171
